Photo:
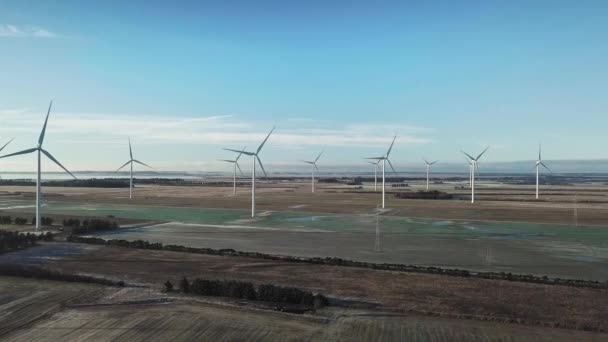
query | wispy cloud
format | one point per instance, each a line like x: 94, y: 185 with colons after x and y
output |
x: 14, y: 31
x: 224, y: 130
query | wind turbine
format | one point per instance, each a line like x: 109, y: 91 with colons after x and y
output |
x: 540, y: 163
x: 385, y: 159
x: 235, y: 165
x: 474, y: 167
x: 131, y: 161
x: 254, y: 156
x: 470, y: 171
x: 375, y: 174
x: 313, y: 166
x: 40, y: 151
x: 428, y: 171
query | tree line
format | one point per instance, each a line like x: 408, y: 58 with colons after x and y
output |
x: 89, y: 226
x: 12, y: 241
x: 247, y: 290
x: 527, y: 278
x: 46, y: 221
x: 29, y: 271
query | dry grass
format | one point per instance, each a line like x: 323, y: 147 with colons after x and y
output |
x: 401, y: 292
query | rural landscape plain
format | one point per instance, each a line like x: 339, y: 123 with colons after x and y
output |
x: 303, y: 171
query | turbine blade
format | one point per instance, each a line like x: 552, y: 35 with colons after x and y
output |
x: 316, y: 167
x: 56, y: 162
x: 308, y: 162
x: 241, y: 152
x: 239, y: 167
x: 264, y: 142
x: 120, y: 168
x: 227, y: 161
x: 426, y: 161
x: 7, y: 144
x: 539, y: 158
x: 391, y: 165
x: 130, y: 149
x: 434, y: 162
x: 319, y: 156
x: 546, y: 167
x: 468, y: 155
x: 41, y: 138
x: 144, y: 164
x: 482, y: 152
x: 391, y: 147
x: 375, y: 158
x: 262, y: 166
x: 29, y: 150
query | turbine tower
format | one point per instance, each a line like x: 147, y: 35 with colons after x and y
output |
x: 470, y: 171
x: 313, y: 166
x: 254, y: 156
x: 474, y: 168
x: 131, y: 161
x: 540, y: 163
x: 385, y: 159
x: 40, y: 151
x: 428, y: 171
x: 235, y: 164
x: 375, y: 174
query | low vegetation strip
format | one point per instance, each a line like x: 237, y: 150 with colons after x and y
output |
x: 433, y: 194
x: 13, y: 241
x: 26, y: 271
x: 349, y: 263
x: 246, y: 290
x: 89, y: 226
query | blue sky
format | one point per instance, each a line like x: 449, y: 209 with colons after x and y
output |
x: 187, y: 78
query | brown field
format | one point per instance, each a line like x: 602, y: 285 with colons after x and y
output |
x: 398, y: 292
x: 37, y: 310
x: 371, y: 305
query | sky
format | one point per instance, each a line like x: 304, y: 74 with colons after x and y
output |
x: 184, y: 79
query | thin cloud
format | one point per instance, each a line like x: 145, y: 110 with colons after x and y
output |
x: 14, y: 31
x: 222, y: 130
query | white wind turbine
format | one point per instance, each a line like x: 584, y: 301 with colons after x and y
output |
x: 40, y: 151
x: 428, y: 171
x: 385, y: 159
x: 470, y: 171
x: 375, y: 174
x: 539, y: 163
x: 235, y: 164
x: 131, y: 161
x: 314, y: 167
x: 254, y: 156
x: 474, y: 168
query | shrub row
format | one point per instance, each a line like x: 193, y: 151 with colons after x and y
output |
x: 12, y: 241
x: 246, y: 290
x: 528, y: 278
x: 433, y: 194
x: 89, y: 226
x: 46, y: 221
x: 28, y: 271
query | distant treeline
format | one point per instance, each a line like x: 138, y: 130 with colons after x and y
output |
x: 28, y: 271
x: 89, y: 226
x: 527, y: 278
x: 100, y: 182
x: 433, y: 194
x: 46, y: 221
x: 246, y: 290
x: 12, y: 241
